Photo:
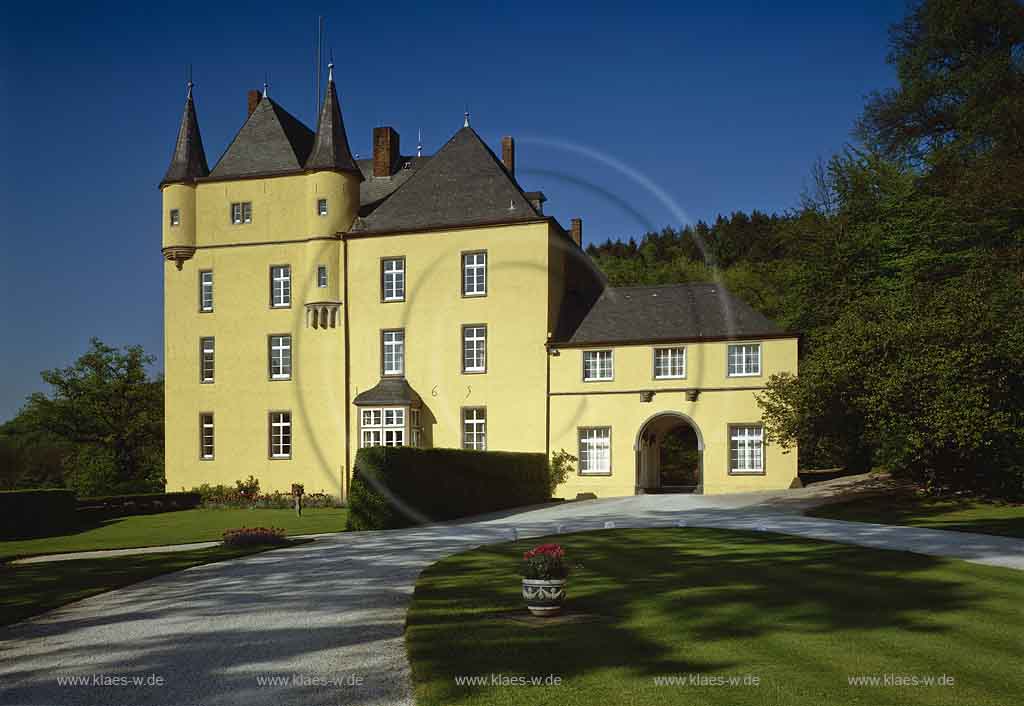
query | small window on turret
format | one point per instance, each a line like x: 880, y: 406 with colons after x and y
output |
x: 175, y: 217
x: 321, y: 207
x: 321, y: 276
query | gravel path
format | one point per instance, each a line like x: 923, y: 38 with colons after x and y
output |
x: 327, y: 617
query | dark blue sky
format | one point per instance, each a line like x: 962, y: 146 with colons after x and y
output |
x: 712, y: 107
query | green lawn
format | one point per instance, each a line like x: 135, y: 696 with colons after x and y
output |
x: 30, y: 589
x: 902, y: 508
x: 800, y: 616
x: 175, y: 528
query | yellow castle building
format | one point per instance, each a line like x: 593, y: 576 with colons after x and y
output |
x: 315, y: 304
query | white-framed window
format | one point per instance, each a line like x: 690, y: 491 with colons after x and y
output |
x: 206, y: 359
x: 415, y: 428
x: 321, y: 276
x: 595, y: 450
x: 744, y: 359
x: 175, y: 216
x: 206, y: 290
x: 474, y: 428
x: 241, y: 212
x: 474, y: 274
x: 392, y: 279
x: 669, y: 363
x: 474, y: 348
x: 597, y: 365
x: 280, y: 357
x: 393, y: 352
x: 746, y: 448
x: 280, y: 286
x: 321, y: 207
x: 206, y: 436
x: 280, y: 434
x: 383, y: 426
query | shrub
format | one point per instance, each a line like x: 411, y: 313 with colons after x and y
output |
x: 249, y: 536
x: 105, y: 507
x: 222, y: 496
x: 249, y: 488
x: 400, y: 486
x: 28, y: 513
x: 546, y: 562
x: 562, y: 463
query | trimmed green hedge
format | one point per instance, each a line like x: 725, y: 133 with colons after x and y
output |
x: 28, y: 513
x: 400, y: 486
x: 109, y: 506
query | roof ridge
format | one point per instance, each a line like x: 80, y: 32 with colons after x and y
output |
x: 675, y: 285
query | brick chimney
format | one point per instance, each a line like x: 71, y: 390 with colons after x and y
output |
x: 385, y: 151
x: 508, y: 154
x: 254, y: 99
x: 576, y: 231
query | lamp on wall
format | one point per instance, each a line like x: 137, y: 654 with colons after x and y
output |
x: 692, y: 395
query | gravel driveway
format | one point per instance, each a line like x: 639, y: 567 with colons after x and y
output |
x: 322, y: 623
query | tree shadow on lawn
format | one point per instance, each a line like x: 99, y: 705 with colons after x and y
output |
x: 661, y: 593
x: 978, y: 516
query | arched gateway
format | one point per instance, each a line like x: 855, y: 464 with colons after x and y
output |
x: 669, y: 455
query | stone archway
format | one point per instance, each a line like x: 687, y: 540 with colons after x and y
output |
x: 669, y: 455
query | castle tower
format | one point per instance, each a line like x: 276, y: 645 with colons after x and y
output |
x: 333, y: 177
x: 188, y: 162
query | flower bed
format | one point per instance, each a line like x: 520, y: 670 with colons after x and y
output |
x: 248, y: 536
x: 223, y: 496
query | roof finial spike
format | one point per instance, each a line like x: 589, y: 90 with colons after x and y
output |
x: 465, y: 121
x: 419, y: 142
x: 330, y: 71
x: 266, y: 85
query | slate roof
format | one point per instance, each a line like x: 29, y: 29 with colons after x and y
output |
x: 272, y: 141
x: 188, y: 161
x: 373, y: 190
x: 389, y: 391
x: 330, y: 148
x: 464, y: 183
x: 674, y: 312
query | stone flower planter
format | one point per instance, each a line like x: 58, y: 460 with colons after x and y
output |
x: 544, y: 596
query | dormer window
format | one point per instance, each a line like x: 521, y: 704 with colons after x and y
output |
x: 241, y: 212
x: 321, y: 207
x: 175, y: 217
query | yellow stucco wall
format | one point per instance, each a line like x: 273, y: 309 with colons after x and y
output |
x: 433, y: 313
x: 285, y: 230
x: 527, y: 272
x: 617, y: 404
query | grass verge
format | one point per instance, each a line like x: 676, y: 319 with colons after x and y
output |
x: 907, y: 508
x: 197, y: 525
x: 801, y: 617
x: 30, y: 589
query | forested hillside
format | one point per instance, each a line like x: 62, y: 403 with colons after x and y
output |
x: 903, y: 269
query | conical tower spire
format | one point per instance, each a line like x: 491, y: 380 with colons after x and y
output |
x: 188, y: 162
x: 330, y: 149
